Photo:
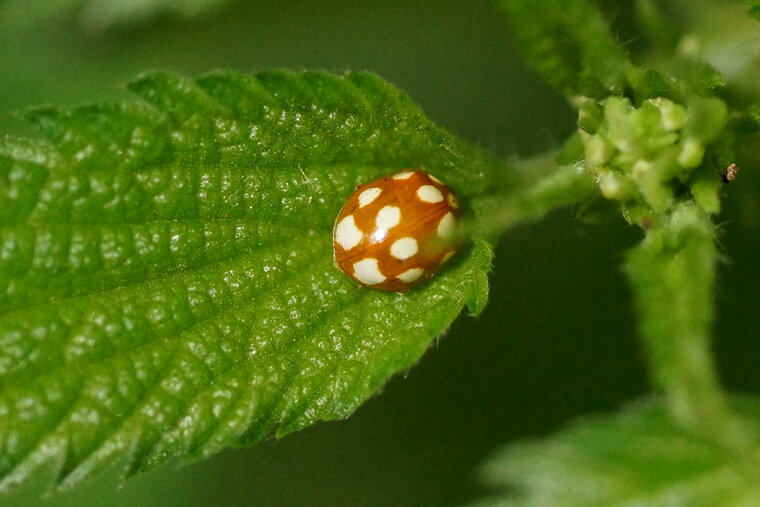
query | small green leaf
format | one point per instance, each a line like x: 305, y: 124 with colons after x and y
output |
x: 166, y: 273
x: 570, y: 44
x: 638, y: 457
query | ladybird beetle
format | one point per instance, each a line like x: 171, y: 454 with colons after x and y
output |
x: 394, y: 232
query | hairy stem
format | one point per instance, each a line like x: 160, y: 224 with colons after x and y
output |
x: 672, y: 272
x: 562, y: 186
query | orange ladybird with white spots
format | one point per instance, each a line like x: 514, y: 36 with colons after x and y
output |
x: 396, y: 231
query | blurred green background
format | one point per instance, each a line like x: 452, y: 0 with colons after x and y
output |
x: 558, y: 337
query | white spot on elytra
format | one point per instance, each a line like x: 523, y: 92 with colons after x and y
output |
x: 448, y: 256
x: 411, y: 275
x: 435, y: 179
x: 402, y: 176
x: 378, y: 235
x: 404, y: 248
x: 388, y: 217
x: 429, y: 193
x: 453, y: 201
x: 368, y: 272
x: 446, y: 225
x: 347, y: 234
x: 368, y: 196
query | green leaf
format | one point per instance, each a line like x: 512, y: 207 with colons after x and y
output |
x: 570, y: 44
x: 638, y: 457
x: 168, y: 287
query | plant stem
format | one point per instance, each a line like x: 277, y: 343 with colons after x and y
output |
x: 672, y: 272
x: 562, y: 186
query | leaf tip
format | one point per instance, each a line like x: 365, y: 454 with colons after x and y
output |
x: 476, y: 288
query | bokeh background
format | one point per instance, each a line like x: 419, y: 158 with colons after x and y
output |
x: 557, y: 339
